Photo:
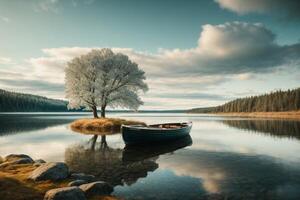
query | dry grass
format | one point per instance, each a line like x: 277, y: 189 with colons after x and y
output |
x: 101, y: 125
x: 15, y: 185
x: 278, y: 115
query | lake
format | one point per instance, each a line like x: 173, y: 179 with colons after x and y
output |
x: 225, y: 158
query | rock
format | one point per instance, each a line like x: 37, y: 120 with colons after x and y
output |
x: 16, y: 162
x: 50, y: 171
x: 37, y: 164
x: 82, y: 176
x: 67, y: 193
x: 22, y: 161
x: 4, y: 164
x: 1, y: 160
x: 96, y: 188
x: 40, y: 161
x: 77, y: 183
x: 14, y: 157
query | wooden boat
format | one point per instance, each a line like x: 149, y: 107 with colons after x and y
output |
x: 155, y: 133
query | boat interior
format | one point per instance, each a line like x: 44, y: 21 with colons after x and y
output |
x: 169, y: 126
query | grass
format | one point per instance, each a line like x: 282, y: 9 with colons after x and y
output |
x: 278, y: 115
x: 101, y: 125
x: 15, y: 185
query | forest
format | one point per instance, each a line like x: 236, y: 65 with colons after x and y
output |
x: 18, y: 102
x: 277, y: 101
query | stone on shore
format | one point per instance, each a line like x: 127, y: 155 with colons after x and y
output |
x: 40, y: 161
x: 96, y: 188
x: 50, y: 171
x: 77, y: 183
x: 4, y: 164
x: 83, y: 176
x: 66, y: 193
x: 15, y: 157
x: 22, y: 161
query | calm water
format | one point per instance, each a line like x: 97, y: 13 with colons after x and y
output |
x: 225, y: 158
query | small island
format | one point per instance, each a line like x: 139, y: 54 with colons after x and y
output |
x: 98, y: 126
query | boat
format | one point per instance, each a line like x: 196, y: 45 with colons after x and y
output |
x: 134, y: 153
x: 156, y: 133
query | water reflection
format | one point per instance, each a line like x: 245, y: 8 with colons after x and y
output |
x: 277, y: 128
x: 115, y: 165
x: 134, y: 153
x: 224, y: 161
x: 17, y: 124
x: 237, y: 176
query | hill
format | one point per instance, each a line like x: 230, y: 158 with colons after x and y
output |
x: 19, y: 102
x: 278, y: 101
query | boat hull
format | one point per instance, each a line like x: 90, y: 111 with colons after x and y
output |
x: 141, y: 135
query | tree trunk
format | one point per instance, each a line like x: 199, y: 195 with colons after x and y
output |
x: 94, y: 140
x: 95, y: 112
x: 103, y: 144
x: 103, y: 111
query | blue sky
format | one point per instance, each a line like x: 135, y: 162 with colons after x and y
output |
x: 194, y: 53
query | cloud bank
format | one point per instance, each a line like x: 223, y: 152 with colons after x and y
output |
x: 224, y: 52
x: 230, y: 48
x: 288, y: 9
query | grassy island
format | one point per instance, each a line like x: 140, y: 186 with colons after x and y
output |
x: 101, y: 125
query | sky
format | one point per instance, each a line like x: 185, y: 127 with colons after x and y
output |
x: 195, y: 53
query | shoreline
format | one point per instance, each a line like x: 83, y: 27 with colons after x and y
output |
x: 21, y: 178
x: 295, y: 115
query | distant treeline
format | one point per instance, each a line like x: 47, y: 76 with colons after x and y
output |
x: 273, y: 102
x: 18, y: 102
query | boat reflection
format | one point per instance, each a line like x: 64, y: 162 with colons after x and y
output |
x: 115, y: 165
x: 134, y: 153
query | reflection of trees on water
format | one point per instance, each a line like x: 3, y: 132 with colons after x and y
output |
x: 11, y: 124
x: 106, y: 163
x: 118, y: 166
x: 278, y: 128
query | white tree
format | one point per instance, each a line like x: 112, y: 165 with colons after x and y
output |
x: 102, y: 78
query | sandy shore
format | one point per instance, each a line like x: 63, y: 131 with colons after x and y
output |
x: 278, y: 115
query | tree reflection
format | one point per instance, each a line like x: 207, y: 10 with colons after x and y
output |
x: 106, y: 163
x: 277, y: 128
x: 114, y: 165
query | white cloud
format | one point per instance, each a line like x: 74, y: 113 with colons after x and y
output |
x: 56, y: 5
x: 282, y: 8
x: 47, y: 5
x: 6, y: 61
x: 4, y: 19
x: 244, y: 76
